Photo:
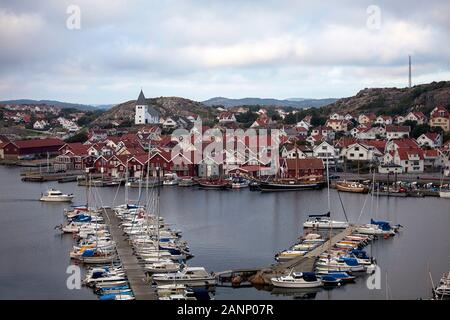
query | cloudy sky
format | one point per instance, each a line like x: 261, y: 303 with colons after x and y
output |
x: 201, y: 49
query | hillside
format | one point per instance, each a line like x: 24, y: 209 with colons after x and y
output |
x: 294, y: 102
x: 63, y: 105
x: 393, y: 101
x: 167, y: 106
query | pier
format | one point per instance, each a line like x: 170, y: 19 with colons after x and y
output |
x: 133, y: 269
x: 261, y: 276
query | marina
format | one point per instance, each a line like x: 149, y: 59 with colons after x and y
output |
x: 220, y: 243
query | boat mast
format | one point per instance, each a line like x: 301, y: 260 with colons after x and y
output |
x: 296, y: 162
x: 328, y: 188
x: 148, y: 173
x: 158, y: 210
x: 126, y: 183
x: 87, y: 188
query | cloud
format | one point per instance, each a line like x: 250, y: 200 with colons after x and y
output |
x: 200, y: 49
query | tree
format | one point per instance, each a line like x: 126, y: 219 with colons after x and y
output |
x: 318, y: 121
x: 419, y: 129
x: 81, y: 136
x: 291, y: 118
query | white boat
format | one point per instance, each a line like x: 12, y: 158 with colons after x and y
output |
x: 290, y: 254
x: 444, y: 194
x: 170, y: 179
x: 297, y: 280
x: 162, y: 267
x: 192, y: 276
x: 324, y: 223
x: 239, y: 183
x: 53, y: 195
x: 443, y: 289
x: 372, y: 229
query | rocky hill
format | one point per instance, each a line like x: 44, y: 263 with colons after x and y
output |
x: 392, y: 101
x: 293, y: 102
x: 167, y: 106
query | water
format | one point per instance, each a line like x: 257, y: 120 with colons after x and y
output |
x: 225, y: 230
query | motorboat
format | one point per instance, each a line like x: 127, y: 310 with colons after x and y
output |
x: 186, y: 182
x: 297, y: 280
x: 162, y: 267
x: 444, y: 194
x: 324, y: 222
x: 53, y: 195
x: 290, y: 254
x: 239, y: 183
x: 170, y: 179
x: 192, y: 276
x: 351, y: 186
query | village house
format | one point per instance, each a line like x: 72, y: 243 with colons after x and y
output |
x: 416, y: 116
x: 169, y: 123
x: 338, y: 125
x: 29, y: 149
x: 336, y: 116
x: 361, y: 152
x: 303, y: 124
x: 432, y: 160
x: 384, y: 120
x: 40, y: 125
x: 367, y: 118
x: 326, y: 152
x: 323, y: 131
x: 303, y: 168
x: 290, y: 151
x: 370, y: 133
x: 410, y: 159
x: 397, y: 132
x: 226, y: 117
x: 399, y: 119
x: 430, y: 140
x: 440, y: 117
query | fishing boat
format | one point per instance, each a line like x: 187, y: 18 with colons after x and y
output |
x: 323, y: 221
x: 53, y: 195
x: 351, y: 186
x: 213, y: 184
x: 290, y: 185
x: 297, y: 280
x: 192, y: 276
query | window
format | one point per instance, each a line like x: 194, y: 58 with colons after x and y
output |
x: 361, y: 155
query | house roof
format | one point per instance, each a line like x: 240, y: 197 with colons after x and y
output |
x: 77, y: 148
x: 406, y: 153
x: 302, y: 164
x: 394, y: 128
x: 440, y: 109
x: 38, y: 143
x: 431, y: 135
x: 141, y: 101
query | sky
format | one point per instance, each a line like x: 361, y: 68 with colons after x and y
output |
x: 203, y: 49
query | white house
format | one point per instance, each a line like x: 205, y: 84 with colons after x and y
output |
x: 418, y: 117
x: 303, y: 124
x: 384, y: 120
x: 145, y: 113
x: 397, y: 132
x: 40, y: 125
x: 361, y: 152
x: 169, y: 123
x: 399, y: 119
x: 336, y: 116
x: 226, y: 117
x: 326, y: 152
x: 430, y: 139
x: 411, y: 159
x: 289, y: 151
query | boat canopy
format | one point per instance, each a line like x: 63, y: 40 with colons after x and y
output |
x: 350, y: 261
x: 320, y: 215
x: 384, y: 225
x: 88, y: 253
x: 361, y: 254
x: 307, y: 276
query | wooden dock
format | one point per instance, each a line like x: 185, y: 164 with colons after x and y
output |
x: 261, y: 276
x: 142, y: 290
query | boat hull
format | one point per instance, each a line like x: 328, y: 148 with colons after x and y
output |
x: 296, y: 284
x: 271, y: 187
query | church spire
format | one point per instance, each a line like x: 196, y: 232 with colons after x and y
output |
x: 141, y: 101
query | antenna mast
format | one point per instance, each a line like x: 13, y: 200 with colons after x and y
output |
x: 409, y: 57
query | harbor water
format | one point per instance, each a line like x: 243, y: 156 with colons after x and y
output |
x: 225, y: 230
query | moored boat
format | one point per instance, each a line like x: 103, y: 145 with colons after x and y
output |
x: 297, y: 280
x: 351, y: 186
x: 53, y: 195
x: 290, y: 185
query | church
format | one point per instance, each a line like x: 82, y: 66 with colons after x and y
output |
x: 144, y: 113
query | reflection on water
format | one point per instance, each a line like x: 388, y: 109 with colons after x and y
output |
x: 225, y: 230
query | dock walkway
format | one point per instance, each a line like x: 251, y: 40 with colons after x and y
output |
x: 135, y: 274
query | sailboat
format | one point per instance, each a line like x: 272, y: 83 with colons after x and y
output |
x: 323, y: 221
x: 444, y: 192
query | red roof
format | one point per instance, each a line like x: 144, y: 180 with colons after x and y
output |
x: 406, y: 153
x: 431, y: 153
x: 431, y: 135
x: 77, y: 148
x: 406, y: 143
x: 38, y: 143
x: 440, y: 111
x: 394, y: 128
x: 380, y: 145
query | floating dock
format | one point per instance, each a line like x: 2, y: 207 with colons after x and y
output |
x: 142, y: 290
x: 261, y: 276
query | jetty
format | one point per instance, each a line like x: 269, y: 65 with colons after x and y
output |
x: 261, y: 276
x: 142, y: 290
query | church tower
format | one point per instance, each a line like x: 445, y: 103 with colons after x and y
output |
x: 141, y: 110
